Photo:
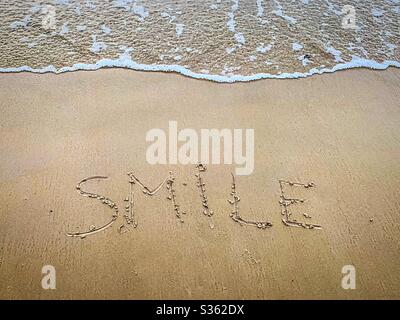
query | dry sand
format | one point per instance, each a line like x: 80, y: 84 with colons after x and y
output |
x: 340, y: 130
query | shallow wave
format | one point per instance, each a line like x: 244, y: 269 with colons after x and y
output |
x: 218, y: 40
x: 106, y: 63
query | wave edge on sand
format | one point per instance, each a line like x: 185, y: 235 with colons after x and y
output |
x: 356, y: 62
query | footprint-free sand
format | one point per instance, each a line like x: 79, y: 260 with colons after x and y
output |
x: 340, y: 131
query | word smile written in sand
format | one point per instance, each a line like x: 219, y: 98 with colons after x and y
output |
x: 188, y: 152
x: 168, y: 184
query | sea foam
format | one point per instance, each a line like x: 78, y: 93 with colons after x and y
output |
x: 129, y: 64
x: 221, y: 40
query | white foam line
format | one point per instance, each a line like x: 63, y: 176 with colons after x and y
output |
x: 279, y: 12
x: 260, y: 9
x: 355, y: 63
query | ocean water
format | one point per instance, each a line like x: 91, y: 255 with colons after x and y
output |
x: 220, y: 40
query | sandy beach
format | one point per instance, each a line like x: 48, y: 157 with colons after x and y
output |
x: 341, y: 131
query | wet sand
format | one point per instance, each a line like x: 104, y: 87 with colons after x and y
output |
x: 340, y: 131
x: 205, y: 39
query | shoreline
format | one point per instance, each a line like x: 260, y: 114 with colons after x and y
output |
x: 356, y: 63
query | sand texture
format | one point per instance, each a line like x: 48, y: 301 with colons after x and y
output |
x: 341, y: 131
